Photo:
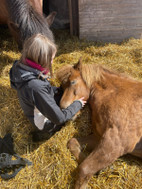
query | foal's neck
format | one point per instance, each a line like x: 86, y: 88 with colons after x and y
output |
x: 115, y: 80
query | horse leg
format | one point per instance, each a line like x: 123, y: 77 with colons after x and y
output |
x: 108, y: 150
x: 138, y: 149
x: 76, y: 145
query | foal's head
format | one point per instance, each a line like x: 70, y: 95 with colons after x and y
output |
x: 73, y: 84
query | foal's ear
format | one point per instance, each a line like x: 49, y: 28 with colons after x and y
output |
x: 50, y: 18
x: 78, y: 66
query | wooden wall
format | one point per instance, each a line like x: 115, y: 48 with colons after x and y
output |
x: 74, y: 17
x: 109, y: 20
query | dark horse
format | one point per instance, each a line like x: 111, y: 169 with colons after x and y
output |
x: 116, y: 107
x: 24, y: 21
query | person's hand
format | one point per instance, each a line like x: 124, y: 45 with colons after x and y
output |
x: 83, y: 102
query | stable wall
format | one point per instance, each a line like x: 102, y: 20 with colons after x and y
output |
x: 108, y: 20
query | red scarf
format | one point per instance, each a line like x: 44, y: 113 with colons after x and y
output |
x: 37, y: 66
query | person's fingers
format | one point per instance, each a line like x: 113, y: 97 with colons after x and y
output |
x: 83, y: 102
x: 81, y: 98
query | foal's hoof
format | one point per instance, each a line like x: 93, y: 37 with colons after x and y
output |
x: 75, y: 149
x: 73, y: 144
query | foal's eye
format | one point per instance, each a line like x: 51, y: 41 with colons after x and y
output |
x: 73, y: 82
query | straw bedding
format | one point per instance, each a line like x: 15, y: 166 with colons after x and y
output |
x: 54, y: 167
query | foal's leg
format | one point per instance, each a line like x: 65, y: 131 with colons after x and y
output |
x: 138, y: 149
x: 108, y: 150
x: 89, y: 143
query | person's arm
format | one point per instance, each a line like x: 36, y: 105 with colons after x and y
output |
x: 46, y: 104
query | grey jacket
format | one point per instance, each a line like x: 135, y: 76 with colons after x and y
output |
x: 37, y: 97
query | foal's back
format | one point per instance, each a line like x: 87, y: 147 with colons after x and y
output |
x: 116, y: 101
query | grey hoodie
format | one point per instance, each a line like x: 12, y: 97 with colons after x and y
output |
x: 37, y: 98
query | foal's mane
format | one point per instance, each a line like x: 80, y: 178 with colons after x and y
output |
x: 93, y: 72
x: 89, y: 73
x: 29, y: 21
x: 63, y: 73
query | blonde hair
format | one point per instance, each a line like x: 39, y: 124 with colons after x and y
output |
x: 39, y: 49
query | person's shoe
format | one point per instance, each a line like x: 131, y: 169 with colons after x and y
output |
x: 38, y: 136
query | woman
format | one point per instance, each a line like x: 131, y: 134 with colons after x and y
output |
x: 38, y: 99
